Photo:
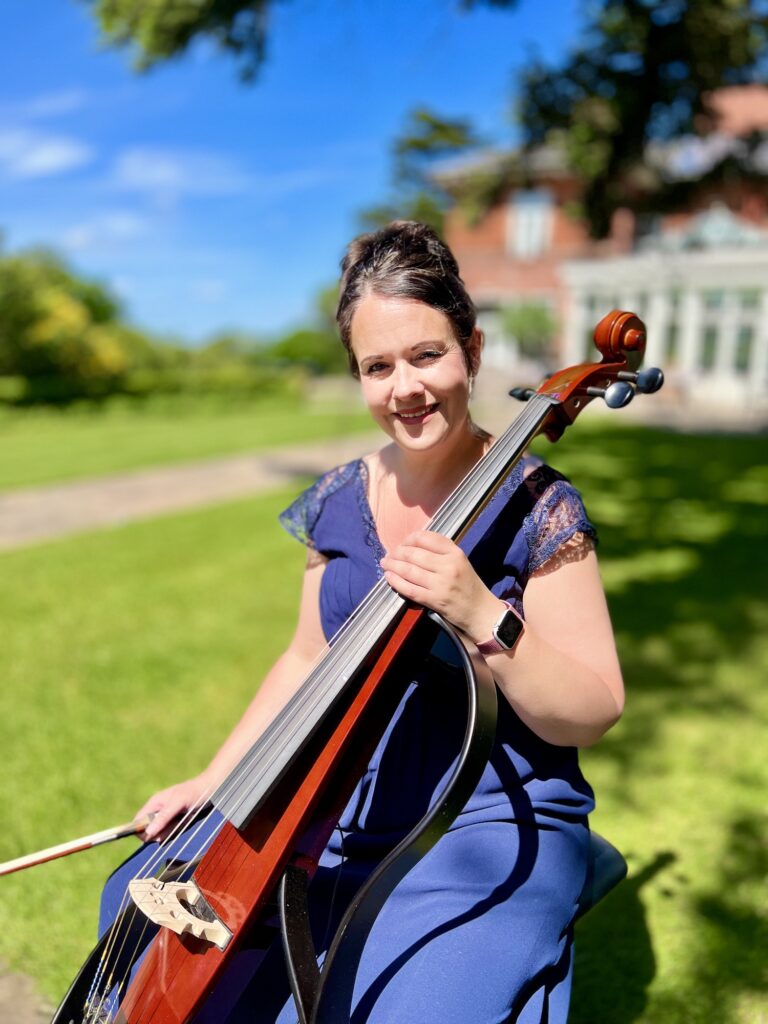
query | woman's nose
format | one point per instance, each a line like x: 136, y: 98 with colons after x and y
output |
x: 406, y: 382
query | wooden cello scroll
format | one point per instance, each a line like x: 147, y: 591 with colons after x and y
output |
x: 283, y: 800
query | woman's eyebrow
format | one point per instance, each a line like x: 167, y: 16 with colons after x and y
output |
x: 430, y: 342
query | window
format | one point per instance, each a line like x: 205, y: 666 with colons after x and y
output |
x: 708, y: 348
x: 530, y: 223
x: 671, y: 343
x: 743, y: 349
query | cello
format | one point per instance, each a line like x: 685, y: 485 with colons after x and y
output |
x: 280, y: 804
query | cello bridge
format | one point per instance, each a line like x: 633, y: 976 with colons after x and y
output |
x: 181, y: 907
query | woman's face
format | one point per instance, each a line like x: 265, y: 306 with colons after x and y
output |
x: 413, y: 372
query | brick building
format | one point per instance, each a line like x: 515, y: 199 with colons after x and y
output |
x: 697, y: 274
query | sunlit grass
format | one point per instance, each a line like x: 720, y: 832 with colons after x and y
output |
x: 681, y: 781
x: 127, y: 655
x: 39, y: 447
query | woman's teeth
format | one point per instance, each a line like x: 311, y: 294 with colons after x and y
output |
x: 417, y: 414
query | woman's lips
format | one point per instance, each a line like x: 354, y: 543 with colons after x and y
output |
x: 416, y: 416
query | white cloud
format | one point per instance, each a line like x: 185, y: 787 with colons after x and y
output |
x: 27, y: 153
x: 52, y: 104
x: 169, y: 173
x: 106, y: 229
x: 165, y: 175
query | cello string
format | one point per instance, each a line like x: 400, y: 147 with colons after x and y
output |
x: 293, y: 711
x: 158, y: 855
x: 498, y: 453
x: 477, y: 480
x: 258, y: 757
x: 259, y: 763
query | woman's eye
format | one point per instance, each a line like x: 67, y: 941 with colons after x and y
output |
x: 375, y: 368
x: 428, y: 355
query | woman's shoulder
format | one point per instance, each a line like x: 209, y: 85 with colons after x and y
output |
x: 556, y: 513
x: 301, y: 517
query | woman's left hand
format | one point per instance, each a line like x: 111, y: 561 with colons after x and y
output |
x: 431, y: 570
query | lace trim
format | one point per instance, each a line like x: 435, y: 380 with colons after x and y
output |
x: 372, y: 539
x: 558, y: 514
x: 301, y: 516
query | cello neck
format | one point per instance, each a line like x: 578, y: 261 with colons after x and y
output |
x: 246, y: 788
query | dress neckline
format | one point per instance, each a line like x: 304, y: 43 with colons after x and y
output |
x: 362, y: 479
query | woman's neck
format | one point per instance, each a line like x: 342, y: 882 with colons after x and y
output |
x: 426, y: 478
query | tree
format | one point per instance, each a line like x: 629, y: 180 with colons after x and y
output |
x: 642, y: 73
x: 425, y: 139
x: 159, y: 31
x: 532, y: 325
x: 58, y: 332
x: 319, y: 351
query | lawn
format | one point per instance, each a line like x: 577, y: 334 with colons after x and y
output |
x: 42, y: 446
x: 128, y: 654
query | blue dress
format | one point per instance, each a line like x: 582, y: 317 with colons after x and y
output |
x: 480, y: 930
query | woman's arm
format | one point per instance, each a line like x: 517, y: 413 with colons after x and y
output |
x: 279, y: 685
x: 562, y: 677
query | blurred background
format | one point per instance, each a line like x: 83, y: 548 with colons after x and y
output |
x: 177, y: 184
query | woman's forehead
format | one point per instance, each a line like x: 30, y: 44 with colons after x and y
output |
x: 383, y: 319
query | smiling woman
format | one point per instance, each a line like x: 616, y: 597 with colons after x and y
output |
x: 480, y: 929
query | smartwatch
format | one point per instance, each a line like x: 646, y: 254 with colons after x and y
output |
x: 505, y: 633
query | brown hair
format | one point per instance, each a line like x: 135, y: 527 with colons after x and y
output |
x: 404, y: 260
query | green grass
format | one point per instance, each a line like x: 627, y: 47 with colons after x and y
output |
x: 43, y: 446
x: 128, y: 654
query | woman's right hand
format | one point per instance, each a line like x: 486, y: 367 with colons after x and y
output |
x: 168, y: 805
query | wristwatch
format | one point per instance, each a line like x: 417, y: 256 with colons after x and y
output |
x: 506, y: 632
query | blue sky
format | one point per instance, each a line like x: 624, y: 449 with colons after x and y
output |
x: 207, y: 204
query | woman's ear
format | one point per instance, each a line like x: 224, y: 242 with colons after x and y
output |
x: 474, y: 350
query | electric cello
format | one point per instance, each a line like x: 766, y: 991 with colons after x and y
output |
x: 247, y: 885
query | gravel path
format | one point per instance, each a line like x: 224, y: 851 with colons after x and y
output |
x: 19, y: 1001
x: 38, y: 514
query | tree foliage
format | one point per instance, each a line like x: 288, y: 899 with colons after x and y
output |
x: 641, y: 73
x: 59, y: 332
x: 157, y: 30
x: 533, y: 326
x: 425, y: 139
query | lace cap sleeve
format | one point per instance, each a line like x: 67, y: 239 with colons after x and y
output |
x: 557, y: 515
x: 301, y: 516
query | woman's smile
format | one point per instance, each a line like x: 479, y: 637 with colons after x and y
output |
x: 416, y: 416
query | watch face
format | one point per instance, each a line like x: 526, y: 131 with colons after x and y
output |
x: 509, y: 629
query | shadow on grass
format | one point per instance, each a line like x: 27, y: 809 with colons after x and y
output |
x: 729, y: 978
x: 615, y: 961
x: 683, y: 525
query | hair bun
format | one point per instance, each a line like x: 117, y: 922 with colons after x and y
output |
x: 404, y: 242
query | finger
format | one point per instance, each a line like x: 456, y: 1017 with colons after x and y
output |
x: 430, y: 541
x: 159, y: 826
x: 411, y: 573
x: 411, y: 591
x: 150, y: 807
x: 406, y: 555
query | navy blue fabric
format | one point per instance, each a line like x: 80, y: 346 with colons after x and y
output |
x: 480, y: 930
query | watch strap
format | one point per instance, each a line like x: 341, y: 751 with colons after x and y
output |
x: 495, y: 645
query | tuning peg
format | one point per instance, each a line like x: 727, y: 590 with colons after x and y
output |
x: 522, y: 394
x: 616, y: 395
x: 650, y: 380
x: 646, y: 381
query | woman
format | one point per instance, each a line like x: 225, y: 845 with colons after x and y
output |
x: 480, y: 929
